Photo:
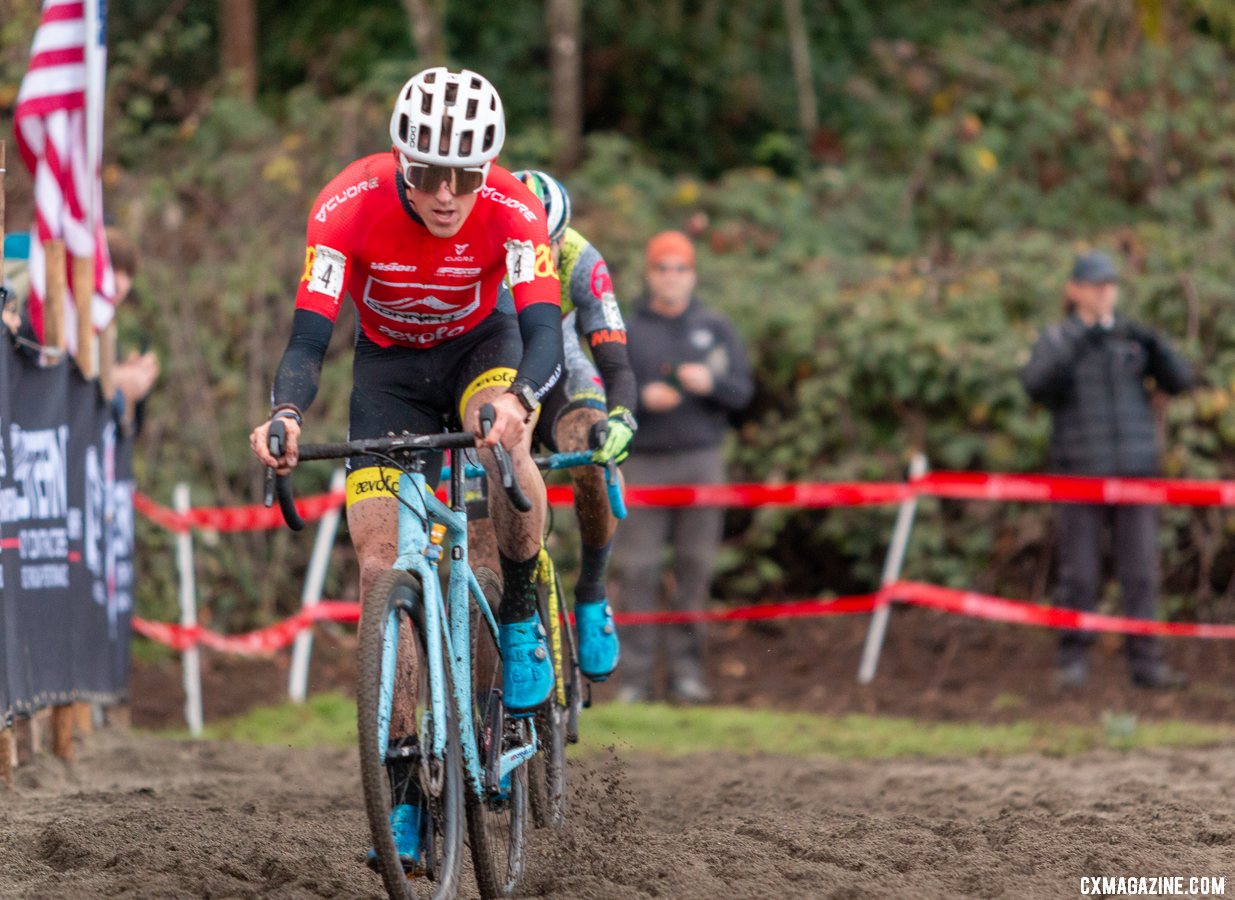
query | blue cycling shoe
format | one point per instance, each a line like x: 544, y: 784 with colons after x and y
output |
x: 527, y: 671
x: 599, y: 650
x: 405, y: 825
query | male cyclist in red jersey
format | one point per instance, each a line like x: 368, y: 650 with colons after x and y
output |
x: 421, y: 238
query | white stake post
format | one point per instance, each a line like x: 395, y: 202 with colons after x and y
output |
x: 891, y: 573
x: 191, y: 659
x: 311, y: 594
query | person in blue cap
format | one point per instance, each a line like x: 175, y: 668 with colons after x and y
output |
x: 1091, y: 372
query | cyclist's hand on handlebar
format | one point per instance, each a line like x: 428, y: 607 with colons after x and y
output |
x: 259, y: 441
x: 612, y: 437
x: 509, y: 423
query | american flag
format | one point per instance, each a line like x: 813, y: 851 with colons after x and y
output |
x: 59, y: 135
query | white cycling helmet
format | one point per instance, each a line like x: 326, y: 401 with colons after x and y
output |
x: 552, y: 193
x: 445, y: 118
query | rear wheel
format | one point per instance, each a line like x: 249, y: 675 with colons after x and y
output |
x: 547, y: 770
x: 394, y: 767
x: 496, y: 823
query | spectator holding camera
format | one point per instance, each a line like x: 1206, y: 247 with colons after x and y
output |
x: 1091, y: 372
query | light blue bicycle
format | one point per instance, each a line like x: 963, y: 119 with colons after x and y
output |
x: 435, y: 741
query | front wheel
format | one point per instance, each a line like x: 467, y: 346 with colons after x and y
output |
x: 396, y: 739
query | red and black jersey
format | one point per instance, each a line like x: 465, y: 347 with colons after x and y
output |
x: 411, y: 288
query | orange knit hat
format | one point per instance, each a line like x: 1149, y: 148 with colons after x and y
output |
x: 670, y: 245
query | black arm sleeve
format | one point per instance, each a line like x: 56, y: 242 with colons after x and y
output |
x: 1047, y: 376
x: 540, y: 326
x: 613, y: 362
x: 1170, y: 370
x: 296, y: 379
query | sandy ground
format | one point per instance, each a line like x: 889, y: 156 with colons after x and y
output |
x: 143, y: 817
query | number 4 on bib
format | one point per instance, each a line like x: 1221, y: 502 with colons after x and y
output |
x: 325, y: 271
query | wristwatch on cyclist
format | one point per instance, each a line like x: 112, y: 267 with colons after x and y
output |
x: 527, y: 396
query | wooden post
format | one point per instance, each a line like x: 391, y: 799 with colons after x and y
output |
x: 53, y: 303
x: 107, y: 360
x: 23, y: 740
x: 83, y: 299
x: 8, y: 756
x: 31, y: 732
x: 83, y: 717
x: 62, y: 730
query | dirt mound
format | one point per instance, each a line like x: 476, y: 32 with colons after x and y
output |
x: 140, y: 817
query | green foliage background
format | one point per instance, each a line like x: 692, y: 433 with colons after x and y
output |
x: 889, y: 272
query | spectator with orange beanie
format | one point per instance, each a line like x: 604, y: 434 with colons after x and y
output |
x: 693, y: 374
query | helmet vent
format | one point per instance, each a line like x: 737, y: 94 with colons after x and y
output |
x: 426, y: 103
x: 465, y: 143
x: 443, y: 144
x: 452, y: 94
x: 424, y: 139
x: 403, y: 123
x: 471, y: 109
x: 487, y: 144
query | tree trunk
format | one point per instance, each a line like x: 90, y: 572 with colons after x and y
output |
x: 425, y: 18
x: 238, y: 46
x: 564, y: 20
x: 799, y: 54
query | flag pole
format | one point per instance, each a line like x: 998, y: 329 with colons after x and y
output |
x: 2, y: 171
x: 83, y: 267
x: 8, y: 746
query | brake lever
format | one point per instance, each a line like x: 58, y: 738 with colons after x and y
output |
x: 282, y: 484
x: 275, y: 445
x: 505, y: 467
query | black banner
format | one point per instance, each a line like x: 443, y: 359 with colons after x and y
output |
x: 66, y: 539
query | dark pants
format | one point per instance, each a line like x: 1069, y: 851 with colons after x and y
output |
x: 691, y: 536
x: 1134, y: 542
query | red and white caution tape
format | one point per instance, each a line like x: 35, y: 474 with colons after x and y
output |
x: 999, y: 609
x: 234, y: 518
x: 840, y: 606
x: 263, y: 640
x: 949, y: 600
x: 1076, y: 489
x: 803, y: 495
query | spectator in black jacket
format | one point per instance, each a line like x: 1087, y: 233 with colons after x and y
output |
x: 1090, y: 370
x: 693, y: 374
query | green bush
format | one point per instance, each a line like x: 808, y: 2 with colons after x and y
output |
x: 889, y: 294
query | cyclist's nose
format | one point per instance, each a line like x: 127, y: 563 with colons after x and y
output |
x: 444, y: 194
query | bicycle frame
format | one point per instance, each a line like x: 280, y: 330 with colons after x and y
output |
x: 447, y: 621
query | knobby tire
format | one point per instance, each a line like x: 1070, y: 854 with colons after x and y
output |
x: 400, y: 590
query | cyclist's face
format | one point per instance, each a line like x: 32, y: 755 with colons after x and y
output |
x: 442, y: 211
